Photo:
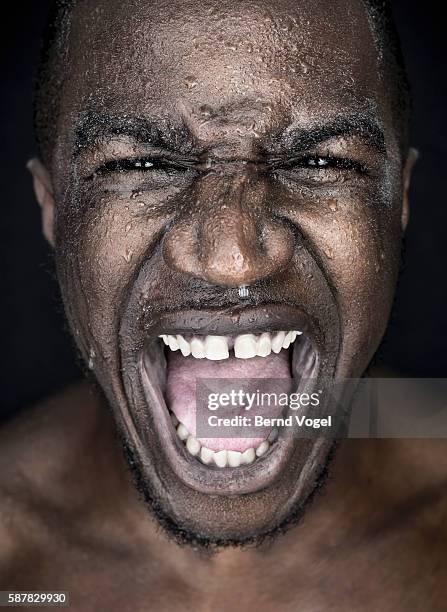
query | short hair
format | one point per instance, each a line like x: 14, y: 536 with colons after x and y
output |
x: 50, y: 73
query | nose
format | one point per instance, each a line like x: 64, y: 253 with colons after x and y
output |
x: 228, y: 234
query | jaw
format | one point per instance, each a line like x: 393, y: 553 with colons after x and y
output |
x: 222, y: 503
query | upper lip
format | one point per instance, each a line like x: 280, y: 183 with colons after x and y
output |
x: 238, y: 320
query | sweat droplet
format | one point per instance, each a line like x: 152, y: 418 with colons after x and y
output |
x: 190, y: 82
x: 304, y: 67
x: 205, y: 110
x: 127, y: 255
x: 91, y: 359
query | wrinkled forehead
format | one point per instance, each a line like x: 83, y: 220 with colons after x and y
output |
x: 277, y: 61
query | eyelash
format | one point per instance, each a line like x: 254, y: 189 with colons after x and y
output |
x: 319, y: 162
x: 313, y: 162
x: 141, y: 164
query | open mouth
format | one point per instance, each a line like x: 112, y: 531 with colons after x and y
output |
x: 271, y: 342
x: 245, y: 356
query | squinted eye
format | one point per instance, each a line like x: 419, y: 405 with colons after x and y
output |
x: 141, y: 165
x: 324, y: 163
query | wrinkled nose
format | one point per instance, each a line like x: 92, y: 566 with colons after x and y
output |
x: 229, y: 235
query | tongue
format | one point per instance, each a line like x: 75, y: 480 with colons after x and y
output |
x: 183, y: 372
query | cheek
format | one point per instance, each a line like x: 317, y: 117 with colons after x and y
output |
x: 364, y: 266
x: 98, y: 255
x: 357, y: 241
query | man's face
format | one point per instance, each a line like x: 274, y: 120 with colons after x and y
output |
x: 203, y: 147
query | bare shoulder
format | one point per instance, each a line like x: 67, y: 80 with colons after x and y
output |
x: 37, y: 446
x: 70, y: 519
x: 398, y: 468
x: 49, y: 467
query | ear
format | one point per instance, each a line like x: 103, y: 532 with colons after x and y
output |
x: 43, y: 190
x: 413, y: 155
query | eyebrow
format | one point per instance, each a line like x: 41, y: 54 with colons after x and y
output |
x: 301, y: 138
x: 156, y: 133
x: 152, y: 132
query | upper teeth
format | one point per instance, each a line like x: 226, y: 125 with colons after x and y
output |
x: 218, y: 347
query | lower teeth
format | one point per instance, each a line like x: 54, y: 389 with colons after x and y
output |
x: 223, y: 458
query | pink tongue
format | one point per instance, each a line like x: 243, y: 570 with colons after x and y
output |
x: 182, y: 373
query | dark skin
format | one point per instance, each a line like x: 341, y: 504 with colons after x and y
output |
x: 231, y: 86
x: 375, y: 540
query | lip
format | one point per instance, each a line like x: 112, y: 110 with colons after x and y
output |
x: 239, y: 320
x: 266, y: 317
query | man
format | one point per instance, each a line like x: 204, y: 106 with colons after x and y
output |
x: 225, y: 186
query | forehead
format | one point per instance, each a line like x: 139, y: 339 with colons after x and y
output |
x: 279, y: 61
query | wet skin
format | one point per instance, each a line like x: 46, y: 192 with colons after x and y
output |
x: 69, y: 519
x: 233, y: 106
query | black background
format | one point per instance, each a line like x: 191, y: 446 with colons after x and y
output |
x: 37, y: 352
